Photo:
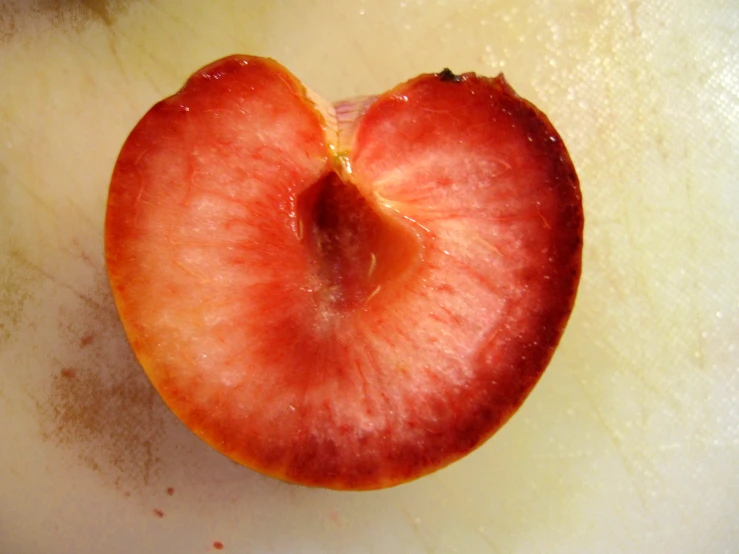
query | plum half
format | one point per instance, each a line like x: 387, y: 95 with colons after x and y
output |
x: 346, y: 295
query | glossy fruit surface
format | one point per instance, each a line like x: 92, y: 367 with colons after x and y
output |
x: 346, y: 296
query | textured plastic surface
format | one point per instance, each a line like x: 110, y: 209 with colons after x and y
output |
x: 630, y: 443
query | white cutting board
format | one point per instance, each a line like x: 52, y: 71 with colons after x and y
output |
x: 629, y: 444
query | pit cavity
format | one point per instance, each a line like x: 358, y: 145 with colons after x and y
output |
x: 360, y: 253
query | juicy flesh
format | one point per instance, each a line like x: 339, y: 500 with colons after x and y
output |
x: 344, y: 330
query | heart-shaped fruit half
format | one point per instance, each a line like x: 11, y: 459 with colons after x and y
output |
x: 351, y: 295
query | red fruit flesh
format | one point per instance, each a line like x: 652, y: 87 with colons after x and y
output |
x: 350, y: 321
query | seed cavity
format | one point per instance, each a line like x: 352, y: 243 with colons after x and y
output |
x: 357, y: 250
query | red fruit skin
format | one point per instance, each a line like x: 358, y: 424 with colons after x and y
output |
x: 201, y: 248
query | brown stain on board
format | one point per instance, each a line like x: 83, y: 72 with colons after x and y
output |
x: 100, y: 406
x: 80, y: 12
x: 74, y: 15
x: 114, y: 425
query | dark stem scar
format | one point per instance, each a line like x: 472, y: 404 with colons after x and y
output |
x: 447, y: 75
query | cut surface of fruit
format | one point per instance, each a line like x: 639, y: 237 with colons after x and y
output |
x: 346, y: 296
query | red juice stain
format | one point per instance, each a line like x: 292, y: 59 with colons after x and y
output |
x: 69, y: 373
x: 159, y: 513
x: 86, y: 340
x: 170, y: 491
x: 218, y: 545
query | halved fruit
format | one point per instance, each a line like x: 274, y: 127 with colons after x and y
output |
x: 346, y: 296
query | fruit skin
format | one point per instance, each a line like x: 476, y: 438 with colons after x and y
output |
x: 315, y: 392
